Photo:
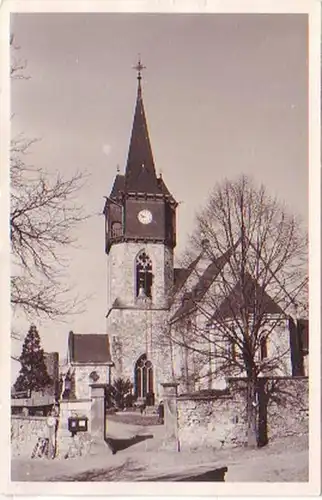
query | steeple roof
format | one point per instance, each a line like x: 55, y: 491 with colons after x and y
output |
x: 140, y: 175
x: 118, y: 186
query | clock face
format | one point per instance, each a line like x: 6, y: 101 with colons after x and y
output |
x: 145, y: 216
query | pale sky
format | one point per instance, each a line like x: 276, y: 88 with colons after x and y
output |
x: 224, y: 94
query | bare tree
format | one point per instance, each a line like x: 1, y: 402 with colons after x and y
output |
x: 18, y: 65
x: 44, y: 213
x: 235, y: 318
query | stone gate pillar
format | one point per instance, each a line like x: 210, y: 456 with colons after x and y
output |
x: 171, y: 439
x: 98, y: 418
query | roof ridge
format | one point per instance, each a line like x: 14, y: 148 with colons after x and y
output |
x: 236, y: 290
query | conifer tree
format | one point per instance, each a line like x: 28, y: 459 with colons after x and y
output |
x: 33, y: 374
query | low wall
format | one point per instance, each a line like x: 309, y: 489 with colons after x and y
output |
x: 79, y: 407
x: 25, y: 432
x: 288, y: 408
x: 220, y: 421
x: 73, y: 408
x: 68, y: 446
x: 210, y: 422
x: 36, y: 402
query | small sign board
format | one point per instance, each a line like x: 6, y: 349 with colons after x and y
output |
x: 77, y: 424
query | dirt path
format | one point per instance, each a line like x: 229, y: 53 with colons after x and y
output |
x: 142, y: 457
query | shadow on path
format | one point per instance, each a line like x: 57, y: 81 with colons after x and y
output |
x: 121, y: 444
x: 211, y: 475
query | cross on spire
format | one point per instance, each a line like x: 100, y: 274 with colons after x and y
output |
x: 139, y: 68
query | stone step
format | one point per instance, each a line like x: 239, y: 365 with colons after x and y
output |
x: 149, y: 410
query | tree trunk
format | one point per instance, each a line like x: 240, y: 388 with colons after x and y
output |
x: 251, y: 413
x: 186, y: 367
x: 262, y: 413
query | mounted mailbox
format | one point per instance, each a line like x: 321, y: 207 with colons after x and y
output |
x: 77, y: 424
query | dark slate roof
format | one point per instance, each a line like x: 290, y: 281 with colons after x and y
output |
x: 89, y: 348
x: 140, y: 176
x: 163, y: 188
x: 182, y: 274
x: 230, y: 306
x: 179, y: 277
x: 204, y: 282
x: 118, y: 186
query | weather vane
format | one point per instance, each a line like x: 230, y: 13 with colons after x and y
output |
x: 139, y: 67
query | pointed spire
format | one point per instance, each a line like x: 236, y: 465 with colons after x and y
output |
x: 140, y: 175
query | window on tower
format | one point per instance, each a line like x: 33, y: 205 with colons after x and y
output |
x: 143, y: 275
x: 116, y: 229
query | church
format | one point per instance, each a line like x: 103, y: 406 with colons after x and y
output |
x: 140, y: 237
x: 146, y: 294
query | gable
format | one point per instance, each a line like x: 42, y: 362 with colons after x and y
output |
x: 230, y: 305
x: 202, y: 285
x: 254, y: 295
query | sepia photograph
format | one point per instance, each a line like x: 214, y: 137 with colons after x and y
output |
x: 159, y: 174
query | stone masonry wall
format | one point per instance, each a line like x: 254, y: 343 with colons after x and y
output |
x: 25, y: 432
x: 210, y: 423
x: 121, y: 269
x: 134, y: 328
x: 134, y: 332
x: 221, y: 421
x: 288, y: 408
x: 279, y: 348
x: 68, y: 446
x: 83, y: 381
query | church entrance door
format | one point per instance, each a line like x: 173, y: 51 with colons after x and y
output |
x: 143, y: 380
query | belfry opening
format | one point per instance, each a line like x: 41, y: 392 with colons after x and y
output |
x: 143, y: 275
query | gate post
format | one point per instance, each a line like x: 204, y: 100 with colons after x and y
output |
x: 98, y: 417
x: 170, y: 415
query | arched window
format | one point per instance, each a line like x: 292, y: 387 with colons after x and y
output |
x: 116, y: 229
x: 143, y: 275
x: 143, y: 376
x: 263, y: 349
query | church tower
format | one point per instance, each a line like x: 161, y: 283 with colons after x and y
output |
x: 140, y: 236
